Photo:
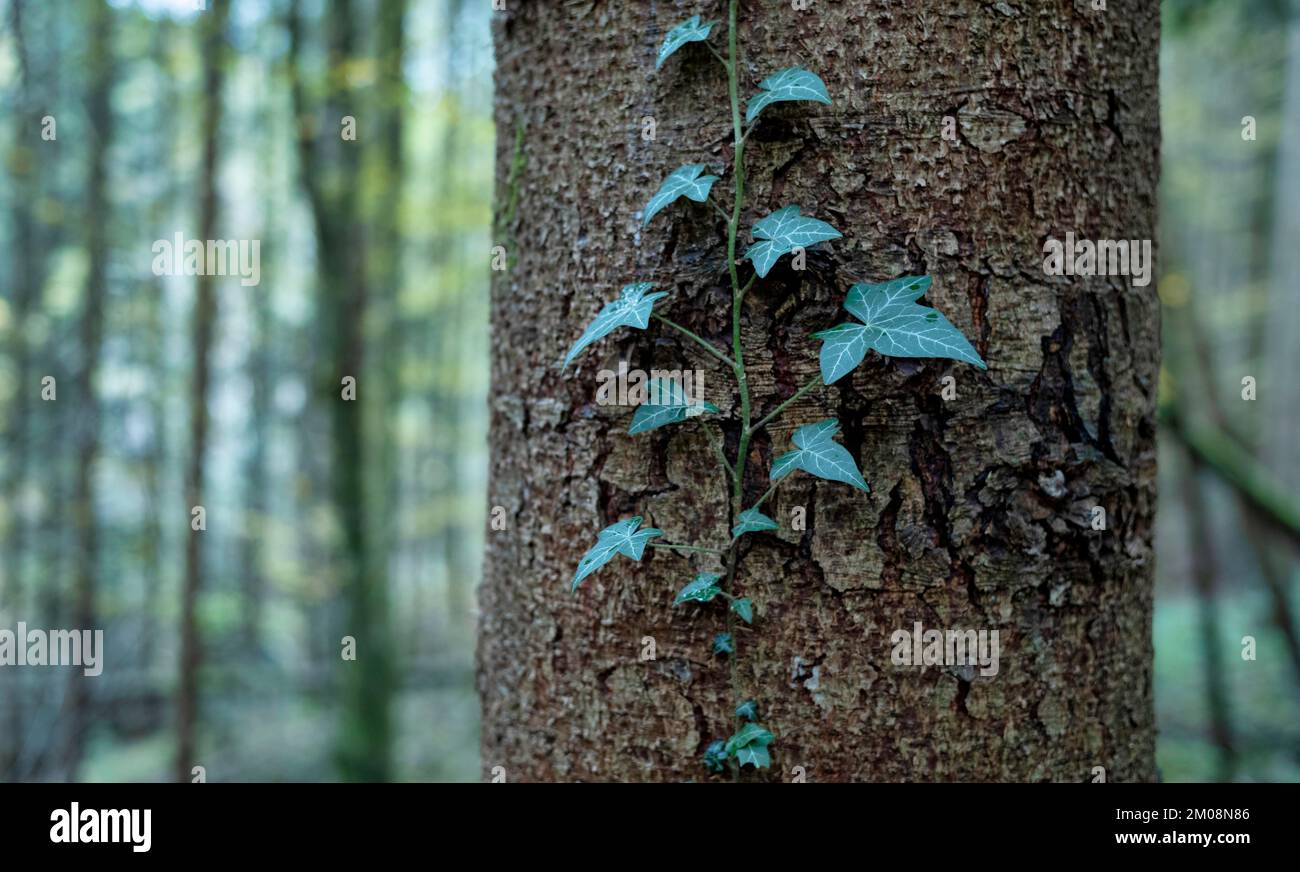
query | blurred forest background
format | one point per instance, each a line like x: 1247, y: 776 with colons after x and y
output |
x: 328, y: 518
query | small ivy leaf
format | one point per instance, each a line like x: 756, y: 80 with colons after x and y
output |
x: 689, y: 30
x: 668, y: 404
x: 893, y: 324
x: 782, y: 232
x: 752, y: 521
x: 792, y: 83
x: 685, y: 181
x: 621, y: 538
x: 750, y: 735
x: 754, y: 755
x: 747, y: 710
x: 631, y: 309
x: 722, y: 644
x: 745, y: 608
x: 701, y: 590
x: 818, y: 454
x: 715, y: 756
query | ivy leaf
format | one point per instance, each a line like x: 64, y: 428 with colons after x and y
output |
x: 745, y: 608
x: 685, y: 181
x: 621, y: 538
x: 895, y: 325
x: 723, y: 644
x: 752, y: 521
x: 668, y: 405
x: 689, y: 30
x: 782, y: 232
x: 792, y: 83
x: 818, y: 454
x: 631, y: 309
x: 755, y: 755
x: 750, y: 735
x: 702, y: 589
x: 715, y: 756
x: 747, y: 710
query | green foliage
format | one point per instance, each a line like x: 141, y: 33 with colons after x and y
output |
x: 631, y: 309
x: 744, y: 608
x: 895, y: 325
x: 817, y: 454
x: 669, y: 405
x: 701, y: 590
x: 782, y: 232
x: 690, y: 30
x: 749, y: 746
x: 715, y: 756
x: 621, y: 538
x: 747, y: 710
x: 723, y: 644
x: 685, y: 181
x: 792, y: 83
x: 752, y: 521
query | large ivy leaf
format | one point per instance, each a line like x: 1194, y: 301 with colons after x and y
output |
x: 818, y: 454
x: 668, y: 405
x: 782, y: 232
x: 744, y: 607
x: 895, y: 325
x: 631, y: 309
x: 750, y: 735
x: 752, y: 521
x: 701, y: 590
x: 685, y: 181
x: 690, y: 30
x: 621, y: 538
x: 792, y: 83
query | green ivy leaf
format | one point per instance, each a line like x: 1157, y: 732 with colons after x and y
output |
x: 689, y: 30
x: 782, y: 232
x: 668, y: 404
x: 621, y: 538
x: 754, y: 755
x: 685, y: 181
x: 752, y: 521
x: 631, y: 309
x: 701, y: 590
x: 715, y: 756
x: 750, y: 735
x: 745, y: 608
x: 723, y: 644
x: 747, y: 710
x: 895, y: 325
x: 818, y: 454
x: 792, y: 83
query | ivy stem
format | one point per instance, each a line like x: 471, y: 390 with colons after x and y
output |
x: 816, y: 380
x: 687, y: 547
x: 737, y: 351
x: 703, y: 343
x: 767, y: 493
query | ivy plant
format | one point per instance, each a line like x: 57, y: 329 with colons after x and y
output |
x: 889, y: 319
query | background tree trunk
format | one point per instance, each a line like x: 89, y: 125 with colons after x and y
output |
x: 981, y: 505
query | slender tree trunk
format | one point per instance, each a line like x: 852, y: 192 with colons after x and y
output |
x: 91, y: 334
x: 213, y: 35
x: 981, y: 514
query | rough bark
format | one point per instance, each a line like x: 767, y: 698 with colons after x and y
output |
x: 981, y: 506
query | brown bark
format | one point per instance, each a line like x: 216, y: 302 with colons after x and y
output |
x: 981, y: 506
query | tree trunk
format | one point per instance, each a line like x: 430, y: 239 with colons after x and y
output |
x: 213, y: 35
x: 981, y: 509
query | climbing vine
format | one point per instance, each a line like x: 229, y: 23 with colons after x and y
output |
x: 889, y: 320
